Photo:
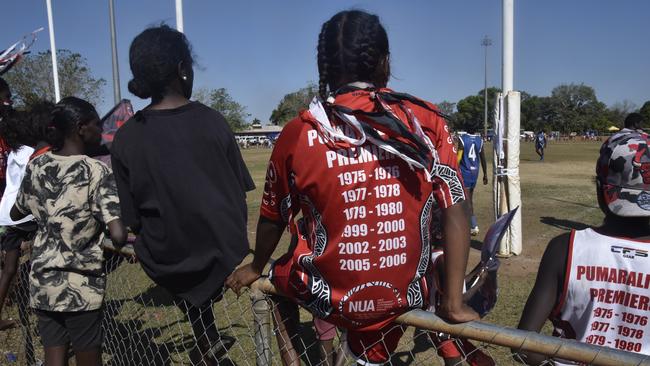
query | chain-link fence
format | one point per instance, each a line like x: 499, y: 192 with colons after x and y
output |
x: 145, y: 325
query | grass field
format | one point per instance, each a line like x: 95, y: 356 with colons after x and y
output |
x: 557, y: 194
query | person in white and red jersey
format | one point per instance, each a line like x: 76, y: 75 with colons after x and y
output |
x: 599, y: 278
x: 364, y: 166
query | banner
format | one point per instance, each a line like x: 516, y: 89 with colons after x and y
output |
x: 114, y: 119
x: 111, y: 122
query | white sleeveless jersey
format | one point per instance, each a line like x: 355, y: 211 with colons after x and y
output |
x: 606, y: 297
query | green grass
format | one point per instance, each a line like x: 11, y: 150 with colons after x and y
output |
x: 557, y: 194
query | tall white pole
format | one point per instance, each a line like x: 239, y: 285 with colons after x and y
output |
x: 116, y: 70
x: 179, y: 15
x: 508, y: 45
x: 55, y: 69
x: 512, y: 243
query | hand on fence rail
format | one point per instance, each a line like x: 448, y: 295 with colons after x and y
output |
x: 243, y: 276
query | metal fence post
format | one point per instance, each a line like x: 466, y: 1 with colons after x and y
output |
x: 261, y: 326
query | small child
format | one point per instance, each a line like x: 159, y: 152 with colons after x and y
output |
x: 73, y: 198
x: 22, y: 132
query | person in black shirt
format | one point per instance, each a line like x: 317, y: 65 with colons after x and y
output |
x: 182, y: 182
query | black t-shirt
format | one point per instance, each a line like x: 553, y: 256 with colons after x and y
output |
x: 182, y: 185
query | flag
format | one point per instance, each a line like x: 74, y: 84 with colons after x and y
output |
x: 14, y: 53
x: 485, y: 298
x: 114, y: 119
x: 111, y: 122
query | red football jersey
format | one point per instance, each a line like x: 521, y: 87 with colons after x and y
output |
x: 364, y: 234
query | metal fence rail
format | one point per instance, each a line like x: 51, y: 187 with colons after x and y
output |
x: 521, y: 340
x: 145, y: 325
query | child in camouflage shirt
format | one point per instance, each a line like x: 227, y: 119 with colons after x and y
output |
x: 73, y: 198
x: 24, y: 134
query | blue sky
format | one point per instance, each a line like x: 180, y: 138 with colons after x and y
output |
x: 262, y: 50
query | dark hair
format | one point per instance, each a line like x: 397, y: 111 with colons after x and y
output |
x: 27, y: 127
x: 154, y: 57
x: 351, y: 47
x: 472, y: 127
x: 3, y: 84
x: 4, y: 110
x: 68, y: 114
x: 633, y: 120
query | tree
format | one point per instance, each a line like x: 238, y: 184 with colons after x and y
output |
x: 492, y: 97
x: 470, y: 113
x: 619, y: 110
x: 219, y: 100
x: 447, y: 107
x: 575, y: 108
x: 31, y: 80
x: 471, y: 110
x: 292, y: 103
x: 536, y: 113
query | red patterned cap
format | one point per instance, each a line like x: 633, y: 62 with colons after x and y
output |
x: 623, y: 170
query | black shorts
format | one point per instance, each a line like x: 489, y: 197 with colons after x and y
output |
x: 82, y: 329
x: 14, y: 236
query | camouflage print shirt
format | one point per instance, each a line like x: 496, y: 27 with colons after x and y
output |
x: 72, y: 198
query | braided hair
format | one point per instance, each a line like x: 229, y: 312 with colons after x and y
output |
x: 352, y: 46
x: 68, y: 114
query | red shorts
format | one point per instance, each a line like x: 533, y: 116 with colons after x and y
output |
x: 373, y: 347
x: 324, y: 331
x: 460, y: 349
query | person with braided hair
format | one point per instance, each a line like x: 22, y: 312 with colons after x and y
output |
x: 364, y: 166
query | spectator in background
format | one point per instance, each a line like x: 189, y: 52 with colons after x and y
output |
x: 182, y: 183
x: 362, y: 157
x: 593, y: 283
x: 24, y: 134
x: 73, y: 198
